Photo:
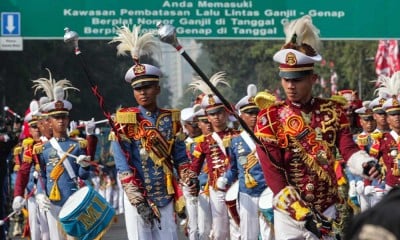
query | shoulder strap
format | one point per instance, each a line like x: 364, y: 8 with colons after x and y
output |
x: 216, y: 137
x: 60, y: 153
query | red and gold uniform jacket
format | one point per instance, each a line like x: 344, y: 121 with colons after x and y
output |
x: 390, y: 153
x: 214, y: 153
x: 301, y: 143
x: 28, y: 162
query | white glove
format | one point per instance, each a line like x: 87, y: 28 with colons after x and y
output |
x: 352, y: 189
x: 90, y: 126
x: 43, y: 202
x: 72, y: 125
x: 221, y: 183
x: 5, y: 138
x: 360, y: 187
x: 35, y: 174
x: 369, y: 190
x: 18, y: 203
x: 83, y: 160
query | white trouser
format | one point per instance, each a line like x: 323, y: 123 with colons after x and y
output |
x: 287, y: 228
x: 109, y: 194
x: 220, y: 218
x: 234, y: 229
x: 138, y: 230
x: 56, y: 232
x: 204, y: 217
x: 192, y: 212
x: 250, y: 219
x: 37, y: 221
x: 121, y: 196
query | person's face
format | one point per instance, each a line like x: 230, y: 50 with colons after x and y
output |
x: 205, y: 126
x: 218, y: 120
x: 44, y: 127
x: 34, y: 131
x: 193, y: 128
x: 368, y: 125
x: 146, y: 96
x: 394, y: 122
x: 59, y: 123
x: 381, y: 119
x: 299, y: 90
x: 250, y: 118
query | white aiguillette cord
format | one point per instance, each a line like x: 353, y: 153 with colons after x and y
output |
x: 249, y: 142
x: 66, y: 163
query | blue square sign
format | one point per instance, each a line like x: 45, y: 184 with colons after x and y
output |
x: 10, y: 24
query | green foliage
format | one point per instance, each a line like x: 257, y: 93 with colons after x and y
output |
x: 105, y: 68
x: 244, y: 61
x: 251, y: 62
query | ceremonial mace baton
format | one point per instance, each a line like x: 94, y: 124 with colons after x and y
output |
x: 167, y: 34
x: 72, y: 37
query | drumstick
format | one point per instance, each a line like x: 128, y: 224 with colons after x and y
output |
x: 93, y: 163
x: 4, y: 220
x: 83, y: 123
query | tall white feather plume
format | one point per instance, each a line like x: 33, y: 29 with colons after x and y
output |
x: 305, y: 31
x: 251, y: 90
x: 134, y: 43
x: 48, y: 86
x: 58, y: 93
x: 388, y: 86
x: 216, y: 79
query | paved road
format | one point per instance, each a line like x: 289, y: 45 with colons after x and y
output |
x: 118, y: 232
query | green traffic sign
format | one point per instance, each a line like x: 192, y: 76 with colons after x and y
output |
x: 224, y: 19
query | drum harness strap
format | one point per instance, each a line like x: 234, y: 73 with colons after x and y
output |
x: 66, y: 164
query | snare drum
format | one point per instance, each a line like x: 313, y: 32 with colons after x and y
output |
x: 230, y: 200
x: 265, y: 205
x: 86, y: 214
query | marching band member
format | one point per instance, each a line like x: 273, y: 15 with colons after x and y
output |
x: 368, y: 140
x: 213, y: 152
x: 390, y: 141
x: 299, y: 137
x: 193, y: 132
x: 59, y: 170
x: 204, y: 217
x: 378, y: 113
x: 149, y: 149
x: 246, y: 168
x: 27, y: 176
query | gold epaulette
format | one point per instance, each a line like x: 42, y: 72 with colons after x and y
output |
x: 27, y: 142
x: 226, y: 141
x: 362, y: 139
x: 376, y: 135
x: 17, y: 150
x: 199, y: 139
x: 83, y: 143
x: 127, y: 115
x: 74, y: 133
x: 264, y: 99
x: 175, y: 114
x: 38, y: 148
